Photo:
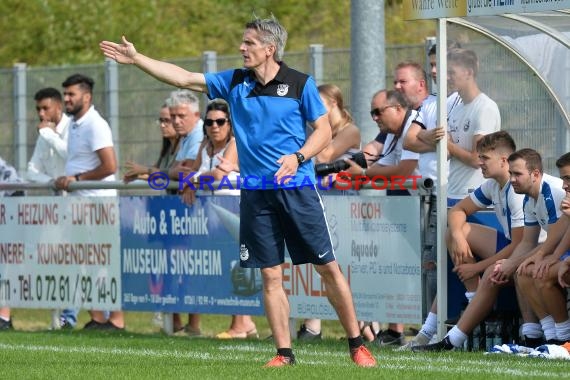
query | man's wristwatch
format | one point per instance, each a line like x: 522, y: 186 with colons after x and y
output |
x: 300, y: 157
x: 77, y: 177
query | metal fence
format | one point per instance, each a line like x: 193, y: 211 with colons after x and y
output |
x: 130, y: 99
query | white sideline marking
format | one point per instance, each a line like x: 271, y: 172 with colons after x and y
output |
x: 111, y: 351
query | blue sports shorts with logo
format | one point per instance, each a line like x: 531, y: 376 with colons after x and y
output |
x: 271, y: 220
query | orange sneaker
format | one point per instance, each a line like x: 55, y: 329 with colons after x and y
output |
x: 279, y: 361
x: 362, y: 357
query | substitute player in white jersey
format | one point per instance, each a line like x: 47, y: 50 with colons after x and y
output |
x: 541, y: 193
x: 544, y: 210
x: 467, y: 240
x: 468, y: 121
x: 538, y: 275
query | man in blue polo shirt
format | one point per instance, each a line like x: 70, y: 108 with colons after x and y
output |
x: 270, y: 106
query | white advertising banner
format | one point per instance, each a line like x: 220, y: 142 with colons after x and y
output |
x: 60, y: 252
x: 426, y: 9
x: 377, y: 245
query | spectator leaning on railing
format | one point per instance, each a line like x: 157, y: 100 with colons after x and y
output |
x: 168, y: 150
x: 184, y: 109
x: 90, y: 156
x: 49, y: 159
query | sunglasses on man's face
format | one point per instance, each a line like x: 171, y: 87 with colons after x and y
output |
x: 377, y: 112
x: 219, y: 122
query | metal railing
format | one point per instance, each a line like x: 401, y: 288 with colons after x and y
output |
x: 423, y: 185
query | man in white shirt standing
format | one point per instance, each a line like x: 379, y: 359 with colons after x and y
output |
x: 90, y: 153
x: 468, y: 122
x: 90, y: 156
x: 50, y: 153
x: 49, y: 157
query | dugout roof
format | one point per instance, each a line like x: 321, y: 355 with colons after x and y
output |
x: 525, y: 67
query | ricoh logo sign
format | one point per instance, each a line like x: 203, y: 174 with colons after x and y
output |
x: 365, y: 210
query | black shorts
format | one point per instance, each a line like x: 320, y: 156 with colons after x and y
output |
x: 269, y: 219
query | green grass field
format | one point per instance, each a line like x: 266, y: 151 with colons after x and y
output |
x: 141, y: 352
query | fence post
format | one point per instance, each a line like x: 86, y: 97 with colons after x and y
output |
x: 209, y: 65
x: 21, y: 125
x: 429, y: 42
x: 367, y: 62
x: 316, y: 62
x: 112, y: 101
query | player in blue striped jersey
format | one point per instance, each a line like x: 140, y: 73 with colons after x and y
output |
x: 467, y: 240
x: 537, y: 276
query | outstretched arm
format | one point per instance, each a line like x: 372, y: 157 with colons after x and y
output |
x: 126, y: 53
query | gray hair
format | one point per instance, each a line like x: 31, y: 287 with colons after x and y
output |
x: 271, y: 32
x: 184, y: 97
x: 395, y: 97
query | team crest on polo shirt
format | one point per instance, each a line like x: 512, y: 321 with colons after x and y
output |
x: 282, y: 89
x: 243, y: 252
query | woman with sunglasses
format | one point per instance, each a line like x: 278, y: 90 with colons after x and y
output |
x: 219, y: 147
x: 219, y: 143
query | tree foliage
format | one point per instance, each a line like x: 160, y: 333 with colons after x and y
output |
x: 60, y: 32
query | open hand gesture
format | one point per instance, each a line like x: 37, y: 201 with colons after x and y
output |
x: 122, y: 53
